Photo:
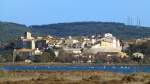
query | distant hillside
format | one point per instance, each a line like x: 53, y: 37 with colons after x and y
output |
x: 88, y: 28
x: 9, y: 31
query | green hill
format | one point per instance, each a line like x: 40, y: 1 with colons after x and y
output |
x: 88, y: 28
x: 9, y: 31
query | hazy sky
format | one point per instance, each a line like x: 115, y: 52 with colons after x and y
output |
x: 31, y: 12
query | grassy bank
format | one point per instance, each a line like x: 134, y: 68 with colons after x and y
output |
x: 71, y: 77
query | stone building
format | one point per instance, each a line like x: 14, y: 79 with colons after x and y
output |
x: 26, y: 47
x: 108, y: 43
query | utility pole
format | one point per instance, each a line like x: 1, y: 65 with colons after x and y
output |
x: 138, y: 24
x: 129, y: 20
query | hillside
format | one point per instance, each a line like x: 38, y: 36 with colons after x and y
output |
x: 9, y: 31
x: 88, y: 28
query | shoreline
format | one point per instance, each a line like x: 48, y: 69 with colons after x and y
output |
x: 68, y: 64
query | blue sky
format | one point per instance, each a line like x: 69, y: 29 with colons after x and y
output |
x: 32, y: 12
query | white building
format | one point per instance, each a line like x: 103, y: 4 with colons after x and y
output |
x: 108, y: 43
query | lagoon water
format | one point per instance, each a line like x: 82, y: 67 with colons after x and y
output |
x: 113, y: 68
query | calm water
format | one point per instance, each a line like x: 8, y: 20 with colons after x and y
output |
x: 119, y: 69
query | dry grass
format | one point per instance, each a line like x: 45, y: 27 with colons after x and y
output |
x: 71, y: 77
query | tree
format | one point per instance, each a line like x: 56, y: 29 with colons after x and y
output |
x: 51, y: 54
x: 2, y: 59
x: 47, y: 56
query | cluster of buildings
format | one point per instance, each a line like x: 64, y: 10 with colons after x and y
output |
x: 28, y: 46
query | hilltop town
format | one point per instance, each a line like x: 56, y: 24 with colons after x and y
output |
x: 84, y: 49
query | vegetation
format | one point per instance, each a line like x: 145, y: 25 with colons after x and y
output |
x: 6, y: 52
x: 143, y: 47
x: 10, y: 31
x: 88, y: 28
x: 47, y: 56
x: 72, y: 77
